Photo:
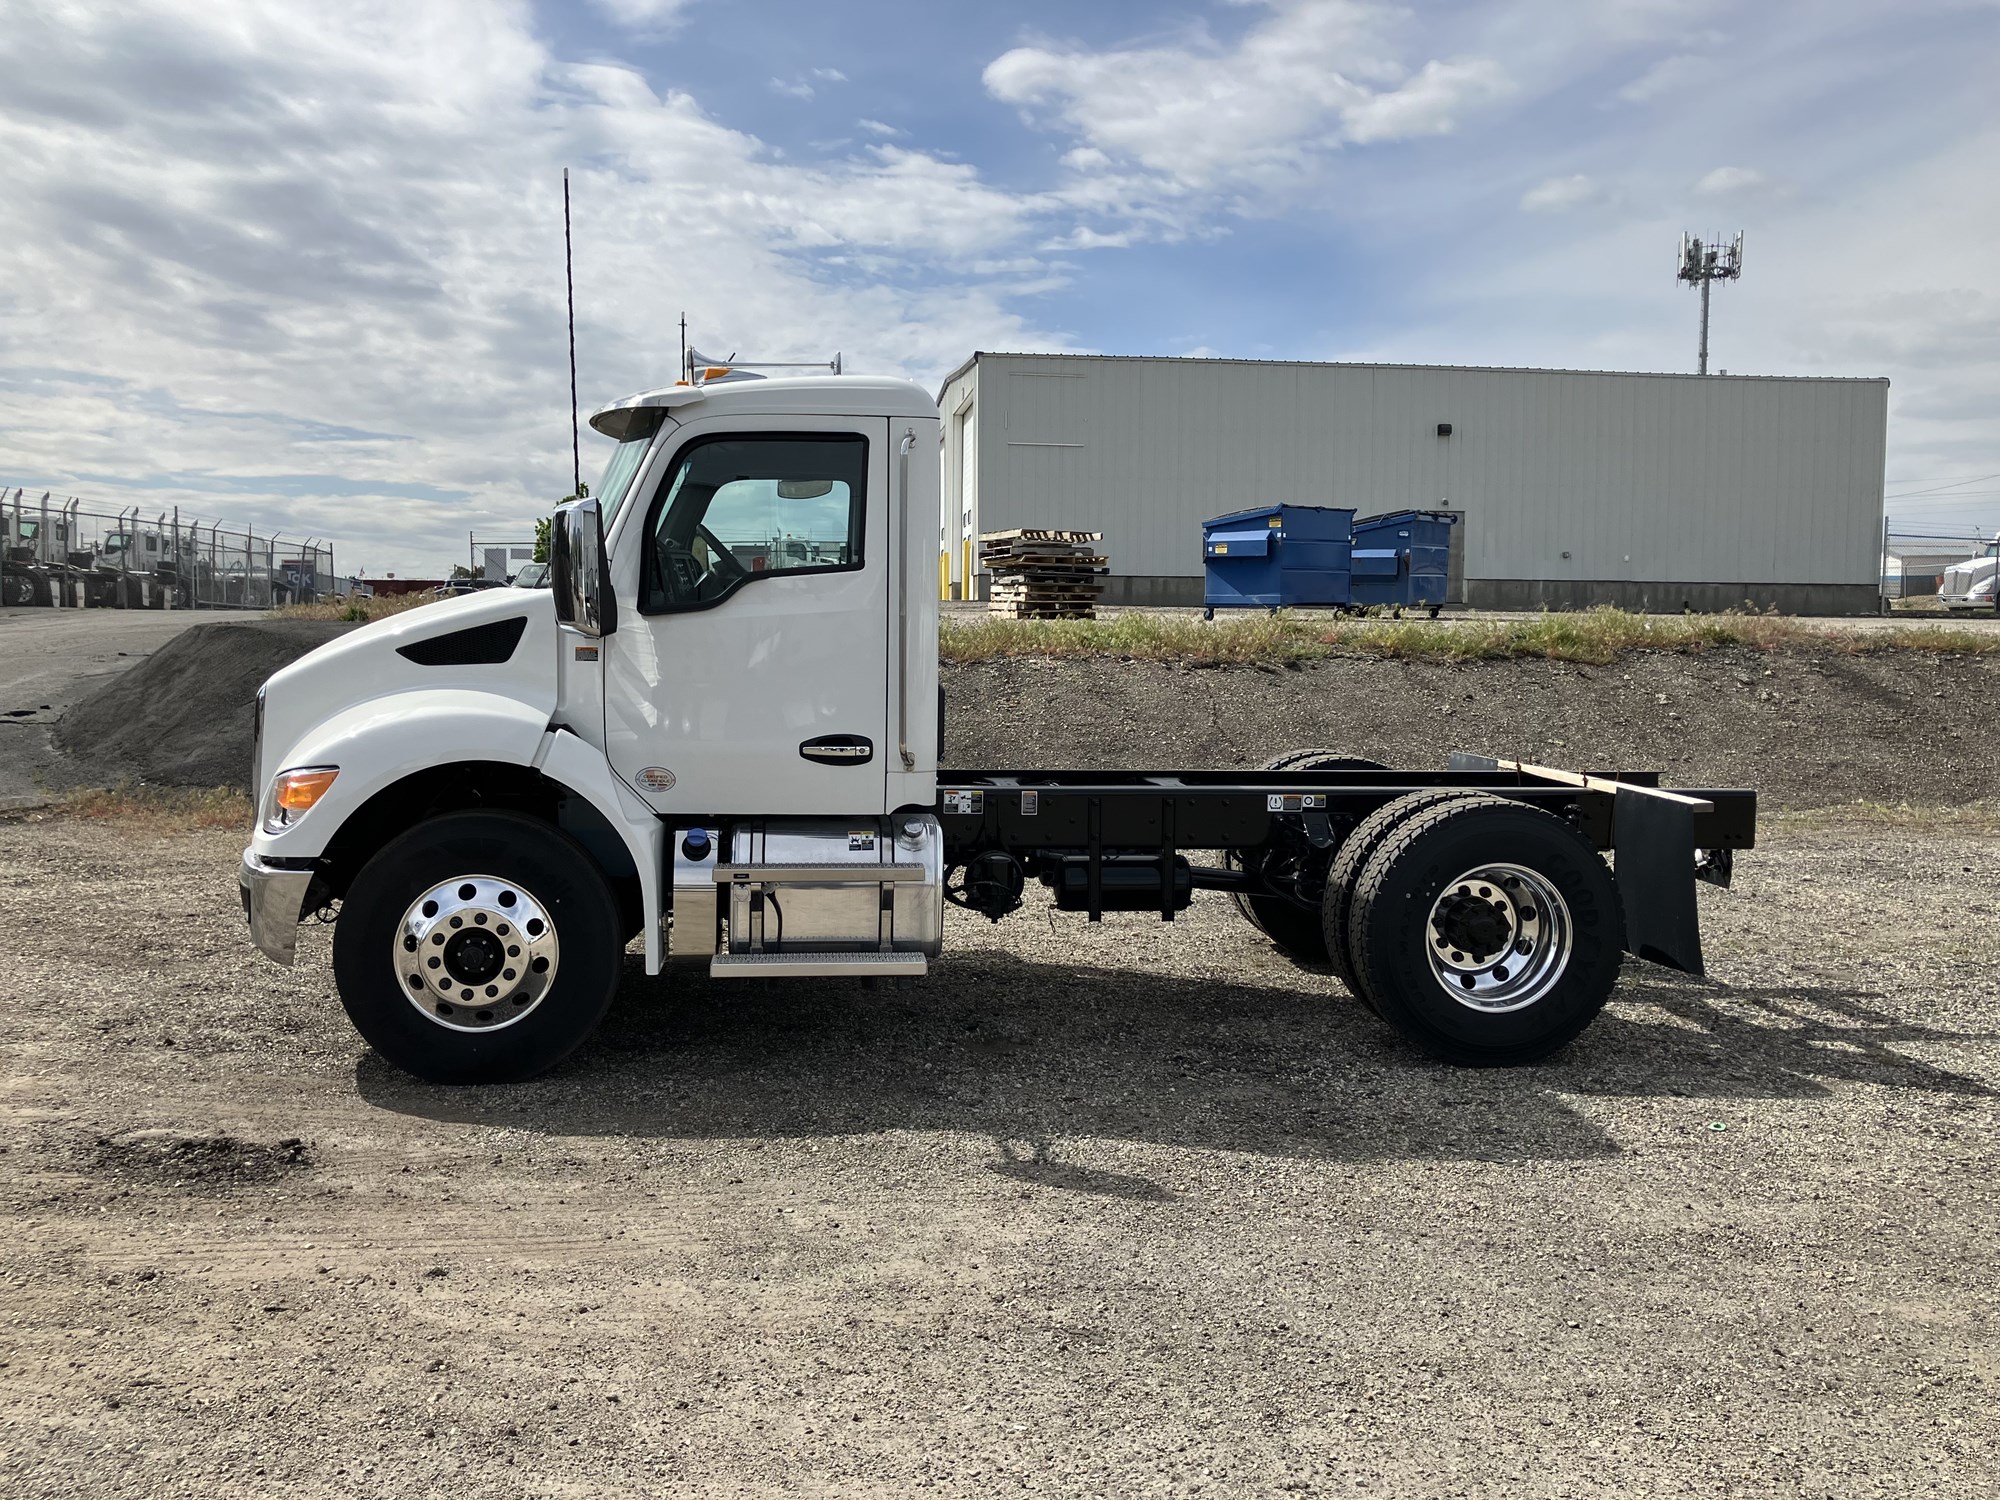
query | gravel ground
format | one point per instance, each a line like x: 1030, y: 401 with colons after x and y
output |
x: 1116, y: 1211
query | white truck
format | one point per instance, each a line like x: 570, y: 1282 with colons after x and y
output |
x: 37, y: 564
x: 1969, y: 585
x: 719, y: 732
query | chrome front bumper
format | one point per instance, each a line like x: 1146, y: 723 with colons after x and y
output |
x: 273, y: 897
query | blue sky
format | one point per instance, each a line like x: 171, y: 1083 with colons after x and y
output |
x: 301, y: 265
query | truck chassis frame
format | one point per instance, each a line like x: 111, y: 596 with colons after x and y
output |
x: 1664, y: 840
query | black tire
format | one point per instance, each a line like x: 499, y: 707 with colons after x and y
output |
x: 1294, y: 928
x: 553, y: 871
x: 1410, y: 879
x: 1337, y: 906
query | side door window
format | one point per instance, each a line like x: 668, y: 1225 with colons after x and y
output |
x: 735, y: 510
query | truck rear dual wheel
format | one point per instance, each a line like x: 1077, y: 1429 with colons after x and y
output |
x: 478, y: 948
x: 1296, y: 929
x: 1337, y: 908
x: 1487, y: 932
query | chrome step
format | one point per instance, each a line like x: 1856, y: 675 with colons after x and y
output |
x: 814, y: 965
x: 831, y: 872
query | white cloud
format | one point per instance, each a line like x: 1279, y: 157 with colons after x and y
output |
x: 1085, y: 238
x: 1668, y: 77
x: 644, y: 15
x: 877, y: 127
x: 1558, y: 194
x: 1308, y: 76
x: 1431, y: 103
x: 829, y: 75
x: 1734, y: 182
x: 796, y: 88
x: 234, y: 230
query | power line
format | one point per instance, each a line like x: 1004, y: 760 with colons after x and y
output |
x: 1947, y: 501
x: 1943, y: 488
x: 1945, y: 479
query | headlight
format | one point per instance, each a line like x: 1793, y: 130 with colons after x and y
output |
x: 296, y: 793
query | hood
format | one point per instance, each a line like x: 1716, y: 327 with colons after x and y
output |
x: 501, y: 641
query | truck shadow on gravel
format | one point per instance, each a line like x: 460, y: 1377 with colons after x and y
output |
x: 1025, y: 1053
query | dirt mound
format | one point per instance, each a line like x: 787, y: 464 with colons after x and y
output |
x: 186, y: 715
x: 1807, y: 729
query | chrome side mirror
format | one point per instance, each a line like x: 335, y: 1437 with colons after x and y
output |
x: 579, y: 572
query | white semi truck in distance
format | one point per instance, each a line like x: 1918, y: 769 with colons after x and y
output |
x: 719, y: 732
x: 1969, y: 585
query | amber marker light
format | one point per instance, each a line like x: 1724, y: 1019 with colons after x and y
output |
x: 296, y: 793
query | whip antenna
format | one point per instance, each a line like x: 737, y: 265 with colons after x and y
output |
x: 569, y: 285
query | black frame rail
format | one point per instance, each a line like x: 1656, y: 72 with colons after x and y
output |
x: 1663, y: 839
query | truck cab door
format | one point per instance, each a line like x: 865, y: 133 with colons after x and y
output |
x: 748, y: 673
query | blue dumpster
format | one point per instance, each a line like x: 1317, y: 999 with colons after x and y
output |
x: 1276, y: 556
x: 1402, y: 559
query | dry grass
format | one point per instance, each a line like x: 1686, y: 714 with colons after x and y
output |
x: 1596, y: 637
x: 158, y: 809
x: 356, y: 610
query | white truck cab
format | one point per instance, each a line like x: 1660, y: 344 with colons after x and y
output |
x: 1969, y: 585
x: 719, y: 731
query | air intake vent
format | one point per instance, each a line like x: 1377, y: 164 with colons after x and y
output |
x: 479, y: 646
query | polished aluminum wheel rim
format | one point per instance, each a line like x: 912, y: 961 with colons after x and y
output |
x: 476, y: 953
x: 1498, y: 938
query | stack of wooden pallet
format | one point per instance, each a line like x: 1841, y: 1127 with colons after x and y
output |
x: 1043, y: 575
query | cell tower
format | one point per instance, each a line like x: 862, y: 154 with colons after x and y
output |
x: 1702, y: 264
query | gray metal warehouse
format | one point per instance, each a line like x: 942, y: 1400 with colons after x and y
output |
x: 1574, y: 488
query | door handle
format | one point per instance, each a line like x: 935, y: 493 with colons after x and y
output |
x: 839, y: 749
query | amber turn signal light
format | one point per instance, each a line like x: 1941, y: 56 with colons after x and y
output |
x: 298, y: 791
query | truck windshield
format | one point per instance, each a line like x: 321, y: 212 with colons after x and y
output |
x: 623, y: 465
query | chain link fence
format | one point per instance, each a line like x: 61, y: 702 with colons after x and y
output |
x: 1918, y: 565
x: 56, y: 552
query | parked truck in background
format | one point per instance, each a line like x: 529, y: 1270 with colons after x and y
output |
x: 151, y: 568
x: 1969, y: 585
x: 40, y: 563
x: 730, y: 750
x: 24, y: 574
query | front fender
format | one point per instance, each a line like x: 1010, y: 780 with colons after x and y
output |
x: 379, y: 742
x: 582, y: 768
x: 385, y: 740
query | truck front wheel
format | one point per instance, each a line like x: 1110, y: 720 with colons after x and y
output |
x: 1486, y: 931
x: 477, y: 948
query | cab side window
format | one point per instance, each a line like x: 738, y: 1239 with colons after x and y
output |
x: 734, y: 510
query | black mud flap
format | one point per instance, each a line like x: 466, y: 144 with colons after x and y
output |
x: 1655, y: 844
